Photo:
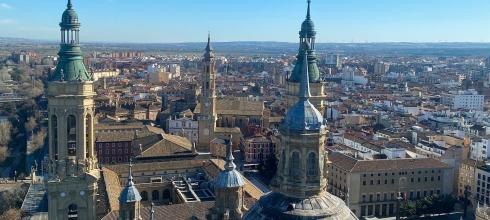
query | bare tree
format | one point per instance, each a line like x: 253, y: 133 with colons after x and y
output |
x: 37, y: 140
x: 5, y: 133
x: 11, y: 214
x: 30, y: 124
x: 4, y: 153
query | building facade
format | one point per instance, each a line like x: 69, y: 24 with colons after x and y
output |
x: 465, y: 100
x: 370, y: 187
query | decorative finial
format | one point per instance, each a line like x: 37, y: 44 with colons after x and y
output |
x: 130, y: 177
x: 229, y: 156
x: 308, y: 12
x: 304, y: 87
x: 69, y: 5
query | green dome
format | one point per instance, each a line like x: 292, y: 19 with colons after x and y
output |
x: 307, y: 29
x: 69, y: 19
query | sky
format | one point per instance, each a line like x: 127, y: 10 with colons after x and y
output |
x: 171, y: 21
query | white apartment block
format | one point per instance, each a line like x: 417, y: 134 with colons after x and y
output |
x: 467, y: 100
x: 479, y: 149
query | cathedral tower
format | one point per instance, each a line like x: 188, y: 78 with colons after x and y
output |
x: 299, y: 186
x: 73, y: 169
x: 307, y: 34
x: 228, y: 188
x: 207, y: 117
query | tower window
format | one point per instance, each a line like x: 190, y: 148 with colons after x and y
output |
x: 294, y: 169
x: 54, y: 131
x: 312, y: 167
x: 72, y: 212
x: 71, y: 127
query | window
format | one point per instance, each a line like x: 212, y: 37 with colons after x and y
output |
x: 71, y: 130
x: 312, y: 167
x: 54, y: 129
x: 294, y: 168
x: 155, y: 195
x: 144, y: 196
x: 72, y: 212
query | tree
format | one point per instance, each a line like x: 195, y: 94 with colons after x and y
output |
x: 4, y: 153
x: 5, y: 133
x: 408, y: 209
x: 11, y: 214
x: 30, y: 124
x: 37, y: 140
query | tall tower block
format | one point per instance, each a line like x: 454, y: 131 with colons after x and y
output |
x: 73, y: 169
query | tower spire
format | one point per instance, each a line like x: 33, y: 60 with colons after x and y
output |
x: 69, y: 5
x: 208, y: 46
x: 304, y: 87
x: 130, y: 176
x: 308, y: 12
x: 230, y: 165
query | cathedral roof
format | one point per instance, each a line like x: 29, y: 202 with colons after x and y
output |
x: 279, y: 206
x: 303, y: 116
x: 229, y: 177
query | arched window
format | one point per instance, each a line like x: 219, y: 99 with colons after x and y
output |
x: 166, y: 194
x: 71, y: 131
x: 312, y: 164
x: 294, y: 168
x: 54, y: 131
x: 72, y: 212
x: 144, y: 196
x: 88, y: 137
x: 155, y: 195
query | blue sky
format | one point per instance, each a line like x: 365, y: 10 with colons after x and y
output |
x: 252, y: 20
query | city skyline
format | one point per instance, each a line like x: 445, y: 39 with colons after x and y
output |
x: 169, y: 21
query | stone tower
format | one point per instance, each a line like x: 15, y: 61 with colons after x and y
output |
x: 130, y: 200
x: 73, y: 169
x: 307, y: 34
x: 207, y: 117
x: 228, y: 188
x: 299, y: 186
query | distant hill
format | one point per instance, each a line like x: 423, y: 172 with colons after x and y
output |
x: 269, y: 48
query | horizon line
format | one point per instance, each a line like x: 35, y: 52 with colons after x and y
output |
x: 239, y: 41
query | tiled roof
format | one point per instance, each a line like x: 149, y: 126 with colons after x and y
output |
x: 236, y: 107
x: 161, y: 145
x: 184, y: 211
x: 113, y: 187
x: 350, y: 164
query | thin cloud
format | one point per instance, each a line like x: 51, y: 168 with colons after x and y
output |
x: 5, y: 6
x: 7, y: 21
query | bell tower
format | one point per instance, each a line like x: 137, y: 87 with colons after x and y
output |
x: 73, y: 170
x: 207, y: 116
x: 318, y: 95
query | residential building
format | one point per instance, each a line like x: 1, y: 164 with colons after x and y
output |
x: 464, y: 100
x: 256, y: 150
x: 482, y: 190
